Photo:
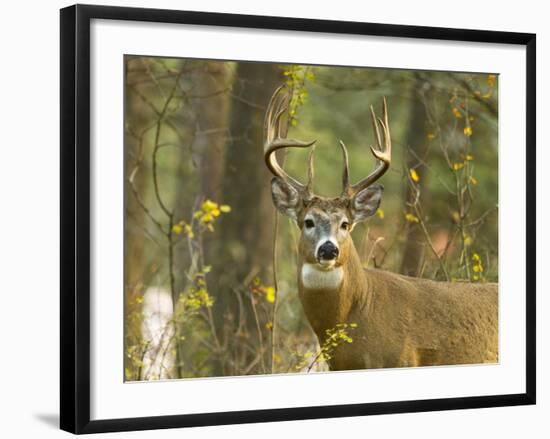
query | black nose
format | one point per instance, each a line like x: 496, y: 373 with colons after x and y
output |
x: 328, y: 251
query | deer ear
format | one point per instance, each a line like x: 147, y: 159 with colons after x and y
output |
x: 286, y: 199
x: 366, y: 202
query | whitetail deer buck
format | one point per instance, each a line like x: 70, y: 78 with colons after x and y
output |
x: 401, y: 321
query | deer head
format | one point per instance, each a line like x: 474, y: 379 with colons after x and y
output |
x: 325, y: 223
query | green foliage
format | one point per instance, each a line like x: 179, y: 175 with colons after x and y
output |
x: 196, y: 297
x: 296, y: 77
x: 334, y: 337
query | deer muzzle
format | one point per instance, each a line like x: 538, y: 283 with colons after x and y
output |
x: 327, y: 251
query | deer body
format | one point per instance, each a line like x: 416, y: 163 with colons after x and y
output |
x: 401, y: 321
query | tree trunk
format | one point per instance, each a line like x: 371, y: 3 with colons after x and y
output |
x: 244, y: 239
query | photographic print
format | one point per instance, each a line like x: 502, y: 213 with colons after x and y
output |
x: 297, y: 219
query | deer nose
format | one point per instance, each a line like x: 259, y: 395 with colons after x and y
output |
x: 327, y: 251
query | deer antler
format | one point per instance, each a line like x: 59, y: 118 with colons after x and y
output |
x: 382, y: 152
x: 275, y: 138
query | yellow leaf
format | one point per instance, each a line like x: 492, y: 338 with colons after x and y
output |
x: 457, y: 166
x: 469, y: 157
x: 430, y: 136
x: 467, y: 131
x: 269, y: 326
x: 225, y: 208
x: 209, y: 205
x: 380, y: 213
x: 414, y: 175
x: 270, y: 294
x: 189, y: 231
x: 411, y: 218
x: 177, y: 229
x: 457, y: 113
x: 473, y: 180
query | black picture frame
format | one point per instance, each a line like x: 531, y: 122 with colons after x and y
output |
x: 75, y: 217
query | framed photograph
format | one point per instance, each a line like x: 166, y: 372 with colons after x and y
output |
x: 268, y: 218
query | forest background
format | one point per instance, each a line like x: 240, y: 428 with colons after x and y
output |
x: 210, y: 269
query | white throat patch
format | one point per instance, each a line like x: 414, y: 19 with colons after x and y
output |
x: 315, y: 278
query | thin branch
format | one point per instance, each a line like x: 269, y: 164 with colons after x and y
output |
x: 493, y: 109
x: 420, y: 217
x: 260, y: 338
x: 142, y: 204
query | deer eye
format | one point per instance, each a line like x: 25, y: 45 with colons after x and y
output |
x: 309, y: 223
x: 345, y: 225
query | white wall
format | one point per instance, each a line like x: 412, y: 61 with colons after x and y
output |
x: 29, y: 247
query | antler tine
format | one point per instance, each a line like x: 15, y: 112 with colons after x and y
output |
x: 387, y: 134
x: 382, y: 152
x: 375, y: 129
x: 274, y: 107
x: 345, y: 170
x: 310, y: 170
x: 276, y: 139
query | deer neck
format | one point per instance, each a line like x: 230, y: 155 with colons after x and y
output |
x: 329, y: 296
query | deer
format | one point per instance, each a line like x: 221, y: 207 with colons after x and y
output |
x: 399, y: 321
